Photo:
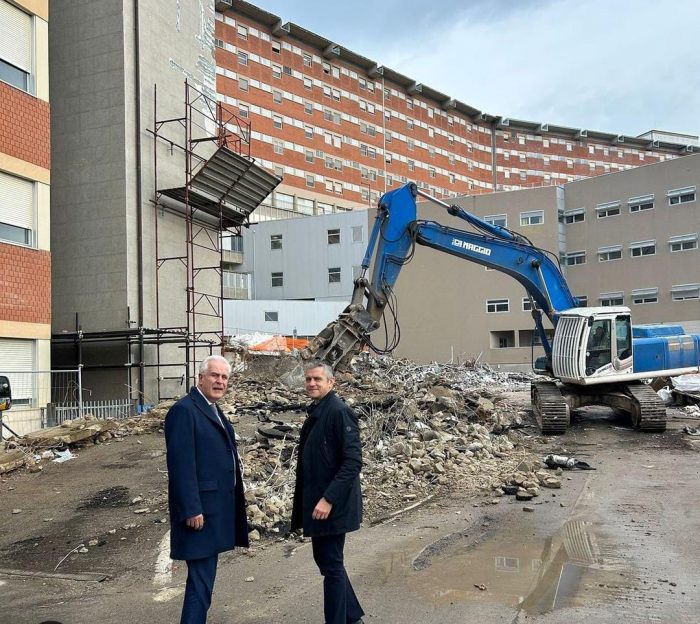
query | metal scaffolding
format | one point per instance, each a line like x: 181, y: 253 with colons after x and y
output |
x: 222, y: 186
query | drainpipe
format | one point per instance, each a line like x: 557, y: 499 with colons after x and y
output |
x: 493, y: 155
x: 139, y: 202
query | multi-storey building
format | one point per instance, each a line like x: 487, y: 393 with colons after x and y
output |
x: 341, y: 129
x: 629, y: 238
x: 138, y: 214
x: 25, y: 279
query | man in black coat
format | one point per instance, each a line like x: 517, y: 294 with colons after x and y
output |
x: 205, y: 488
x: 327, y: 497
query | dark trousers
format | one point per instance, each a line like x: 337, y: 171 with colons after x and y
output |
x: 201, y: 574
x: 340, y: 604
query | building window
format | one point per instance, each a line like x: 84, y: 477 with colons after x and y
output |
x: 284, y: 201
x: 606, y: 254
x: 276, y: 46
x: 411, y: 165
x: 308, y: 83
x: 638, y: 204
x: 278, y: 146
x: 645, y: 295
x: 409, y: 123
x: 16, y: 210
x: 243, y: 84
x: 242, y: 32
x: 578, y: 215
x: 357, y: 234
x: 643, y: 248
x: 684, y: 292
x: 334, y: 237
x: 574, y: 258
x: 336, y: 95
x: 310, y: 180
x: 277, y: 121
x: 410, y: 144
x: 535, y: 217
x: 276, y: 71
x: 582, y: 301
x: 681, y: 196
x: 431, y: 172
x: 497, y: 305
x: 309, y: 156
x: 277, y: 97
x: 334, y: 275
x: 611, y: 299
x: 275, y: 241
x: 685, y: 242
x: 271, y: 317
x: 527, y: 304
x: 242, y: 58
x: 305, y: 206
x: 279, y: 171
x: 308, y: 132
x: 608, y: 209
x: 500, y: 219
x: 309, y: 108
x: 277, y: 279
x: 308, y: 60
x: 16, y: 50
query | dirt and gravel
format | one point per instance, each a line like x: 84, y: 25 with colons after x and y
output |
x: 623, y: 534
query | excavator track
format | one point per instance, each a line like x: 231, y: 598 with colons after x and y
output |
x: 649, y: 411
x: 551, y: 410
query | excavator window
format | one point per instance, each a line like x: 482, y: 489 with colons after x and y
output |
x: 598, y: 351
x: 623, y: 337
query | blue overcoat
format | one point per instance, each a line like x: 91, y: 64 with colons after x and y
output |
x: 203, y: 467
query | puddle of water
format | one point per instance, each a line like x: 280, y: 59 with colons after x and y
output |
x: 518, y: 570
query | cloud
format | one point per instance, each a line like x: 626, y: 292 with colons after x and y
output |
x: 625, y: 66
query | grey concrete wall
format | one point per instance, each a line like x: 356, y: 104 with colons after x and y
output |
x: 662, y: 270
x: 442, y: 298
x: 88, y: 221
x: 105, y: 65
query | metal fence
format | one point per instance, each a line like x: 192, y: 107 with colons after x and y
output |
x: 116, y: 409
x: 48, y: 398
x: 33, y: 392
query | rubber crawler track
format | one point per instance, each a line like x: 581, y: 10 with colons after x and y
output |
x: 652, y: 410
x: 551, y: 410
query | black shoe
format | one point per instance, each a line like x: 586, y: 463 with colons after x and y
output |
x: 360, y: 621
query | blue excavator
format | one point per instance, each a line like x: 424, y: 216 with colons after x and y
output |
x: 596, y: 355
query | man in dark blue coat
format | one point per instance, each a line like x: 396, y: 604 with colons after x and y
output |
x: 327, y: 497
x: 205, y: 488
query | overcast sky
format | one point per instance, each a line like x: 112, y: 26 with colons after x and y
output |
x: 623, y: 66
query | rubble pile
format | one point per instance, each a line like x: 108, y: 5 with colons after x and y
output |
x: 425, y: 429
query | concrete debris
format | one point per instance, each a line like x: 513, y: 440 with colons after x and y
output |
x: 68, y: 433
x: 422, y: 427
x: 691, y: 431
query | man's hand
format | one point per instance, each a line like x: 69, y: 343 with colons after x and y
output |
x: 322, y: 510
x: 196, y: 522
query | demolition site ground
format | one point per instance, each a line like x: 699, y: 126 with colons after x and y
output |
x: 443, y: 540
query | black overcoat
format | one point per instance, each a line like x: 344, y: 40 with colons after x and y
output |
x: 328, y: 466
x: 202, y: 461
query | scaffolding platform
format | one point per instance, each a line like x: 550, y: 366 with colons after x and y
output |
x: 227, y: 188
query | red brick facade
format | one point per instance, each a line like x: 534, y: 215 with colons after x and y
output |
x: 24, y: 126
x: 25, y: 284
x: 452, y: 151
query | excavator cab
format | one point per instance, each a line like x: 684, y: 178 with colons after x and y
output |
x: 591, y: 344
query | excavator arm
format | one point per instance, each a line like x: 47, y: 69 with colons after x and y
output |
x: 395, y: 232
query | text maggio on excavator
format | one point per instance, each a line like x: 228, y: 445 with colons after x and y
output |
x: 596, y: 357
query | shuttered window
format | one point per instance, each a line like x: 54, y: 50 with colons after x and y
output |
x: 16, y: 209
x: 17, y: 356
x: 15, y: 45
